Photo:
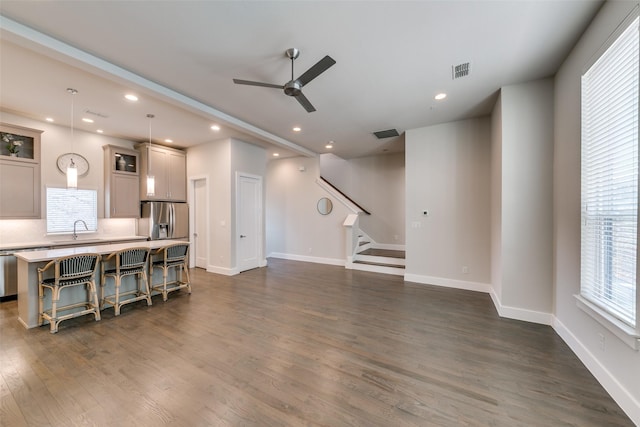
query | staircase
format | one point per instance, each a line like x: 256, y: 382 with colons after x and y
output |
x: 368, y: 257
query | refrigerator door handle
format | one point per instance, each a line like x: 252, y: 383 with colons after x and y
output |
x: 171, y: 221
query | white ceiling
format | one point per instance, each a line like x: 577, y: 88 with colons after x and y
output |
x: 180, y: 57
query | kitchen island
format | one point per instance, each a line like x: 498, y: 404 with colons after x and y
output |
x: 29, y: 262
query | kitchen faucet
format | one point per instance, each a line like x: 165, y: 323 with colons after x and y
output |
x: 75, y: 235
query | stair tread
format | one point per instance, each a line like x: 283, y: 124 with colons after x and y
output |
x: 379, y: 264
x: 389, y: 253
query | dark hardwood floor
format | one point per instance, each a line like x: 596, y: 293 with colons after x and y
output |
x: 298, y: 344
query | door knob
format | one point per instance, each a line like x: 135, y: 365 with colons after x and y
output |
x: 242, y: 236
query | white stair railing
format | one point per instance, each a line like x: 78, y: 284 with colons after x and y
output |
x: 352, y: 230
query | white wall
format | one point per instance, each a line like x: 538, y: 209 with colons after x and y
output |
x: 525, y: 145
x: 617, y: 367
x: 496, y: 198
x: 448, y: 174
x: 378, y: 185
x: 295, y: 229
x: 219, y: 161
x: 212, y: 160
x: 56, y: 140
x: 358, y: 178
x: 249, y: 159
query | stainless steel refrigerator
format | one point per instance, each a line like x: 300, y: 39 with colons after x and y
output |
x: 164, y: 220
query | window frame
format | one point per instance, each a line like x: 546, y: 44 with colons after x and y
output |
x: 89, y: 221
x: 629, y: 334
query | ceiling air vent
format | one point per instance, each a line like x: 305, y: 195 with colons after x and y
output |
x: 95, y: 113
x: 461, y: 70
x: 381, y: 134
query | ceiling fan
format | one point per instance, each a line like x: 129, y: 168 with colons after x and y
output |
x: 294, y: 87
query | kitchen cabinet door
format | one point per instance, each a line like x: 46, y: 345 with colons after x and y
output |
x: 177, y: 176
x: 125, y: 202
x: 169, y: 169
x: 19, y: 189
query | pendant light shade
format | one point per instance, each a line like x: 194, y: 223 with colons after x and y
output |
x: 72, y: 170
x: 72, y: 175
x: 151, y: 182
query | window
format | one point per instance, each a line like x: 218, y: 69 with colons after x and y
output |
x: 65, y: 206
x: 609, y: 207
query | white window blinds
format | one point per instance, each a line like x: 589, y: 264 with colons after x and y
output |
x: 610, y: 177
x: 66, y: 205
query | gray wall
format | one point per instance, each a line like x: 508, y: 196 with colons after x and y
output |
x: 357, y: 177
x: 522, y: 156
x: 295, y: 229
x: 616, y: 366
x: 448, y: 173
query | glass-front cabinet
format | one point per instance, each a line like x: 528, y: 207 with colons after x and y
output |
x: 19, y: 172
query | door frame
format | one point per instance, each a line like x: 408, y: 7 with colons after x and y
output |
x: 260, y: 231
x: 191, y: 197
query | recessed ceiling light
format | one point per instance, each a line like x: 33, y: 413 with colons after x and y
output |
x: 215, y: 127
x: 100, y: 131
x: 168, y: 140
x: 441, y: 96
x: 328, y: 146
x: 49, y: 119
x: 131, y: 97
x: 87, y: 120
x: 297, y: 129
x: 276, y: 154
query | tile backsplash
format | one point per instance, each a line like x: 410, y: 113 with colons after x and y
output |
x: 35, y: 230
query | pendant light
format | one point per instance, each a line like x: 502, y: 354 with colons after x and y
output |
x: 151, y: 182
x: 72, y: 170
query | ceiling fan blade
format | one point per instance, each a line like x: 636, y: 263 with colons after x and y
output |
x: 305, y: 103
x: 250, y: 83
x: 313, y: 72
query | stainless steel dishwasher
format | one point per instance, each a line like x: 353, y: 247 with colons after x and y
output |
x: 8, y: 276
x: 9, y: 272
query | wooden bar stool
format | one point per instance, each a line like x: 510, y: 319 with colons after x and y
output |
x: 171, y: 256
x: 68, y: 272
x: 128, y: 262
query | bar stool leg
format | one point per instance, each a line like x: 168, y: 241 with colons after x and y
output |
x: 55, y: 296
x: 40, y: 303
x: 164, y: 284
x: 147, y: 288
x: 94, y: 299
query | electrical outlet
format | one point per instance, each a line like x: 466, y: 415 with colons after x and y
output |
x: 416, y: 224
x: 465, y: 269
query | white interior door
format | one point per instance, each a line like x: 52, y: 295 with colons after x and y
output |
x: 249, y: 220
x: 200, y: 222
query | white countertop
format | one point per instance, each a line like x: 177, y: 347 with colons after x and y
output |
x: 47, y: 255
x: 67, y: 242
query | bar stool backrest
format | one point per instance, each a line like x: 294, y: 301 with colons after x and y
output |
x: 133, y: 258
x: 176, y: 252
x: 78, y: 266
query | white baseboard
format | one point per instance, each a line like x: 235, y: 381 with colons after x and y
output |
x: 448, y: 283
x: 621, y: 395
x: 520, y: 313
x: 305, y: 258
x: 222, y: 270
